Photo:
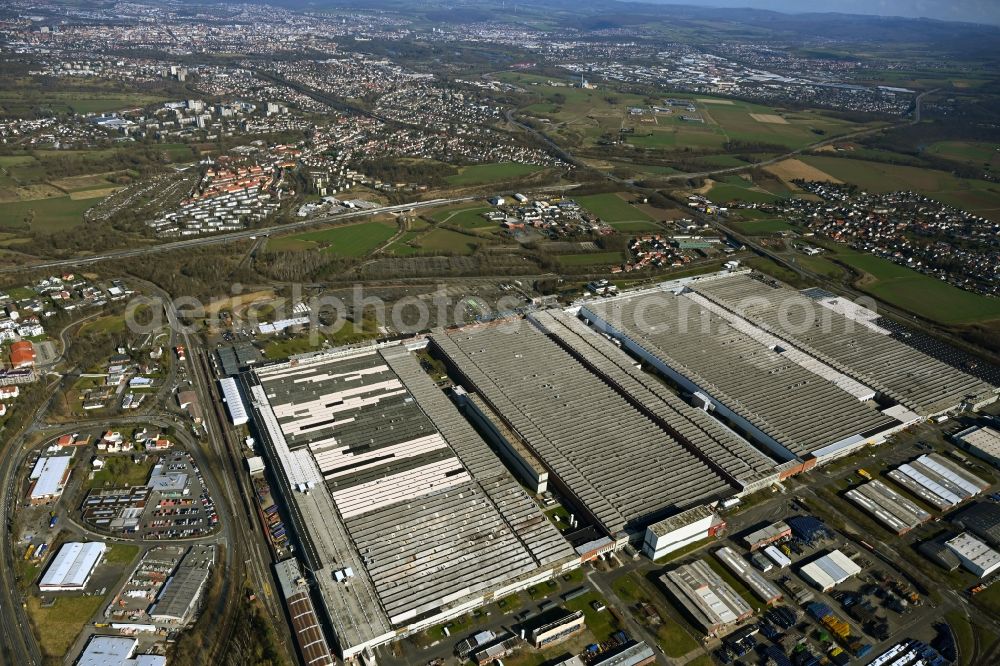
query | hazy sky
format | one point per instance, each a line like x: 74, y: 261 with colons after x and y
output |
x: 975, y: 11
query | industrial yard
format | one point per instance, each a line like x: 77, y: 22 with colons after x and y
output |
x: 633, y: 445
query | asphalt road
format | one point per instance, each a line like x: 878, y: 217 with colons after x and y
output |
x: 217, y: 239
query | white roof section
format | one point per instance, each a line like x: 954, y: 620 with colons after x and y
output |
x: 116, y: 651
x: 982, y: 438
x: 281, y: 324
x: 854, y: 312
x: 939, y: 481
x: 974, y: 552
x: 765, y: 590
x: 72, y: 566
x: 108, y: 650
x: 234, y: 401
x: 777, y: 557
x: 49, y: 474
x: 830, y: 570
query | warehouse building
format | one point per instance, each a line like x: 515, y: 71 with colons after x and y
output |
x: 938, y: 481
x: 709, y: 600
x: 180, y: 595
x: 234, y: 401
x: 896, y: 512
x: 976, y: 557
x: 72, y: 567
x: 632, y: 653
x: 982, y: 442
x: 764, y: 589
x: 402, y: 513
x: 116, y: 651
x: 621, y: 456
x: 554, y: 626
x: 872, y: 357
x: 830, y: 570
x: 305, y: 623
x: 779, y: 558
x: 49, y: 476
x: 983, y: 520
x: 792, y: 405
x: 768, y: 534
x: 670, y: 534
x: 940, y: 554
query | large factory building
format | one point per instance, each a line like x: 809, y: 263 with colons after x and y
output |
x: 404, y: 516
x: 805, y: 397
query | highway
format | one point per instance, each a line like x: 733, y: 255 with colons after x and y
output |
x: 19, y: 646
x: 217, y: 239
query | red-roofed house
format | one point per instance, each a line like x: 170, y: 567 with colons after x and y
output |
x: 22, y: 354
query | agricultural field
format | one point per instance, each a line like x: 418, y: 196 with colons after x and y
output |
x: 50, y: 215
x: 58, y: 625
x: 353, y: 240
x: 735, y: 188
x: 591, y: 259
x: 448, y: 241
x: 793, y: 169
x: 716, y: 122
x: 27, y: 102
x: 612, y: 208
x: 921, y: 294
x: 763, y: 227
x: 967, y: 152
x: 479, y: 174
x: 977, y: 196
x: 467, y: 218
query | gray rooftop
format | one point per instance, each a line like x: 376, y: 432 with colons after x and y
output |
x: 408, y: 496
x: 728, y: 452
x: 918, y: 381
x: 178, y: 599
x: 624, y: 469
x: 797, y: 408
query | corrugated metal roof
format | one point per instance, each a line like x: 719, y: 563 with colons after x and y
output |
x: 73, y: 565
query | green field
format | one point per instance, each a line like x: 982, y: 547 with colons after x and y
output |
x: 763, y: 227
x: 636, y: 226
x: 977, y: 196
x: 46, y: 215
x: 589, y: 117
x: 612, y: 208
x: 121, y: 472
x: 591, y: 259
x: 921, y: 294
x: 967, y: 152
x: 121, y: 554
x: 400, y: 248
x: 820, y: 265
x: 446, y: 240
x: 58, y: 625
x: 355, y: 240
x: 467, y: 218
x: 21, y: 103
x: 282, y: 347
x: 491, y: 173
x: 739, y: 191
